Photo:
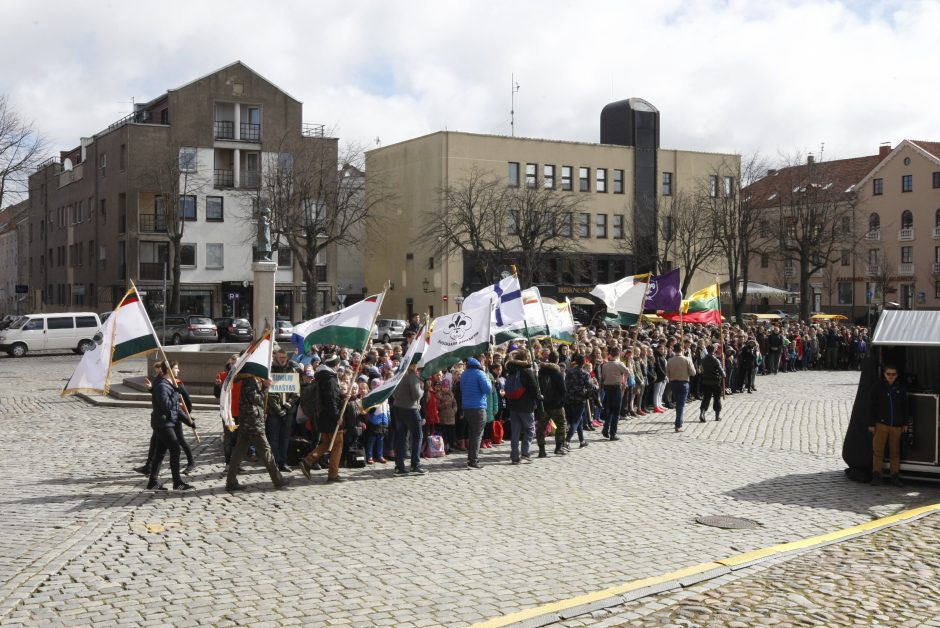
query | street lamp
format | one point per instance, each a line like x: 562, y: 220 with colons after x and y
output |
x: 426, y: 285
x: 459, y: 301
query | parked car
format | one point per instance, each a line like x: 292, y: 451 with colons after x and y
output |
x: 8, y: 320
x: 34, y: 332
x: 233, y: 329
x: 186, y: 329
x: 283, y: 330
x: 104, y: 316
x: 389, y: 329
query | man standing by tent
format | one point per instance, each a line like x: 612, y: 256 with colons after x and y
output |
x: 888, y: 422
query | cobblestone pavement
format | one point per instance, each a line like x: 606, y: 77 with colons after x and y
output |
x: 887, y: 578
x: 81, y: 543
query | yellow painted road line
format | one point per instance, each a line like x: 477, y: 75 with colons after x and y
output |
x: 731, y: 561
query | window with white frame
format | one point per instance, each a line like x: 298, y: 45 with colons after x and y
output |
x: 600, y: 226
x: 548, y: 176
x: 215, y: 255
x: 566, y: 178
x: 618, y: 181
x: 600, y: 180
x: 531, y: 175
x: 513, y: 174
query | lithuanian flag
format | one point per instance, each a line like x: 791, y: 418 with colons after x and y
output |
x: 701, y: 307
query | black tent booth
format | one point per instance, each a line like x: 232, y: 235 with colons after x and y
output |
x: 909, y: 340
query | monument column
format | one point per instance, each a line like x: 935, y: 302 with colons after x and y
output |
x: 264, y: 272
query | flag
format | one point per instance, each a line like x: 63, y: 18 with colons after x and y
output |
x: 629, y: 305
x: 663, y: 293
x: 701, y: 307
x: 560, y: 321
x: 255, y: 361
x: 507, y: 293
x: 455, y: 337
x: 127, y: 333
x: 350, y: 327
x: 385, y: 390
x: 533, y: 319
x: 610, y: 292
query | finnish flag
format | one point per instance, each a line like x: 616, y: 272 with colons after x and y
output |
x: 506, y: 294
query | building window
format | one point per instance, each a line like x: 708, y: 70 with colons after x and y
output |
x: 285, y: 257
x: 584, y: 179
x: 873, y: 256
x: 936, y: 180
x: 600, y: 225
x: 122, y: 212
x: 936, y: 289
x: 513, y: 174
x: 846, y: 257
x: 907, y: 254
x: 122, y: 158
x: 512, y: 222
x: 188, y: 207
x: 845, y: 293
x: 713, y: 185
x: 214, y: 209
x: 103, y: 163
x: 874, y: 222
x: 907, y: 183
x: 601, y: 180
x: 531, y: 175
x: 188, y: 255
x: 548, y: 176
x: 764, y: 260
x: 729, y: 187
x: 188, y: 159
x: 877, y: 187
x: 567, y: 220
x: 618, y: 227
x: 667, y: 184
x: 618, y: 181
x: 907, y: 219
x: 936, y: 255
x: 584, y: 225
x: 566, y: 178
x: 215, y: 255
x: 103, y: 211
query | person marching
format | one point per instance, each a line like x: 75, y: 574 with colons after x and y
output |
x: 251, y: 431
x: 713, y: 374
x: 163, y: 419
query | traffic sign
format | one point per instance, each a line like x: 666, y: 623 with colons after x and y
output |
x: 22, y: 289
x: 234, y: 296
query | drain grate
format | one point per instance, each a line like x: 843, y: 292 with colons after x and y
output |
x: 729, y: 523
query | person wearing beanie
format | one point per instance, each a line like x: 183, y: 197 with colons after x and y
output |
x: 475, y: 388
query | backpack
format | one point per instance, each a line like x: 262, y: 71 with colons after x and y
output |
x: 514, y: 388
x: 578, y: 385
x: 310, y: 401
x: 498, y: 432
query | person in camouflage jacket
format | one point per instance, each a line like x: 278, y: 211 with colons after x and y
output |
x: 251, y: 431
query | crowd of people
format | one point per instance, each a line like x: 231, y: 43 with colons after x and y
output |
x: 530, y: 393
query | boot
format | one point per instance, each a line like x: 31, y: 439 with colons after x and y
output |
x: 701, y: 416
x: 717, y: 417
x: 542, y: 453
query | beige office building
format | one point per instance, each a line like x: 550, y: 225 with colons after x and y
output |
x: 623, y: 180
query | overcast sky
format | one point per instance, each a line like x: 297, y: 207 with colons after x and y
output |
x: 778, y: 77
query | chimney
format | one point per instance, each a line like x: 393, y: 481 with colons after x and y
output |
x: 884, y: 149
x: 810, y: 160
x: 771, y: 172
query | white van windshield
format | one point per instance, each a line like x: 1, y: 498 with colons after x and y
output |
x: 18, y: 323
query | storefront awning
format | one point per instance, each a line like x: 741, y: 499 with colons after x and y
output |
x: 908, y: 328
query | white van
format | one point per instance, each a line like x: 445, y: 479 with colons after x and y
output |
x: 35, y: 332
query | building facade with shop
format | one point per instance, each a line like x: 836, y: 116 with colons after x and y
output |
x: 96, y: 219
x: 622, y: 181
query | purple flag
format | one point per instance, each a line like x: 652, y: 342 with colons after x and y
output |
x: 663, y: 293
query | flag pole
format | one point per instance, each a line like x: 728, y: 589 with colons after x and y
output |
x: 721, y: 336
x: 166, y: 362
x: 636, y: 328
x: 359, y: 366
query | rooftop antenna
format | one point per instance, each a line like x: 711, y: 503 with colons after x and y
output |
x: 378, y: 142
x: 512, y: 109
x: 131, y: 103
x: 822, y: 147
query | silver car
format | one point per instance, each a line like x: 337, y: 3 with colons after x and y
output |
x: 389, y: 329
x: 186, y: 329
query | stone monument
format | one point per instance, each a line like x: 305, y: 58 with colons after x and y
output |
x: 264, y: 273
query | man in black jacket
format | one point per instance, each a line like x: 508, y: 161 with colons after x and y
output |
x: 888, y: 422
x: 552, y: 385
x: 774, y: 349
x: 522, y: 408
x: 713, y: 376
x: 330, y: 403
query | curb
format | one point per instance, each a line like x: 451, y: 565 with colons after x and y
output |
x: 636, y: 589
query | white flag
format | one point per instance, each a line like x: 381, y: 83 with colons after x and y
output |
x: 610, y: 292
x: 507, y: 295
x: 350, y: 327
x: 255, y: 361
x: 455, y: 337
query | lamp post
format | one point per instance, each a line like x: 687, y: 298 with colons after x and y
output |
x: 459, y: 301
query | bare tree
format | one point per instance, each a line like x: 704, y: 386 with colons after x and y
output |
x: 318, y: 199
x: 172, y: 176
x: 734, y: 228
x: 497, y: 225
x: 21, y: 150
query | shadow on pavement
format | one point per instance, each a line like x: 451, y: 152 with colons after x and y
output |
x: 831, y: 489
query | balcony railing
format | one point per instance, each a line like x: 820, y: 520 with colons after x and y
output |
x: 250, y: 132
x: 873, y: 235
x: 224, y: 130
x: 151, y: 270
x: 250, y: 179
x: 936, y: 232
x: 873, y: 270
x: 153, y: 223
x: 906, y: 233
x: 312, y: 130
x: 224, y: 178
x: 789, y: 271
x: 936, y: 268
x: 906, y: 268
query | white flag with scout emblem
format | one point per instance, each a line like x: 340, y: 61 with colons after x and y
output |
x: 455, y: 337
x: 127, y: 333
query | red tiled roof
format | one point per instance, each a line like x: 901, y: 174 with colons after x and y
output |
x: 839, y: 175
x: 931, y: 147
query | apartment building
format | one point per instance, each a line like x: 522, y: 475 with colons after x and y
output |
x: 96, y: 218
x: 623, y: 181
x: 893, y: 254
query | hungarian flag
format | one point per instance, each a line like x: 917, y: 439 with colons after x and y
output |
x: 385, y: 390
x: 350, y: 327
x: 455, y: 337
x: 533, y: 324
x: 701, y: 307
x: 254, y: 362
x: 127, y: 333
x: 560, y: 321
x: 629, y: 305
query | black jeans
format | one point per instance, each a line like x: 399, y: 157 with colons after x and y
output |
x: 710, y: 391
x: 166, y: 441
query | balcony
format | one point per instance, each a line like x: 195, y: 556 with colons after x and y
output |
x: 250, y: 132
x: 250, y: 179
x: 906, y: 269
x: 936, y: 232
x: 224, y: 178
x: 873, y: 270
x: 151, y: 270
x: 936, y: 268
x: 873, y: 235
x: 906, y: 234
x: 224, y: 130
x: 152, y: 223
